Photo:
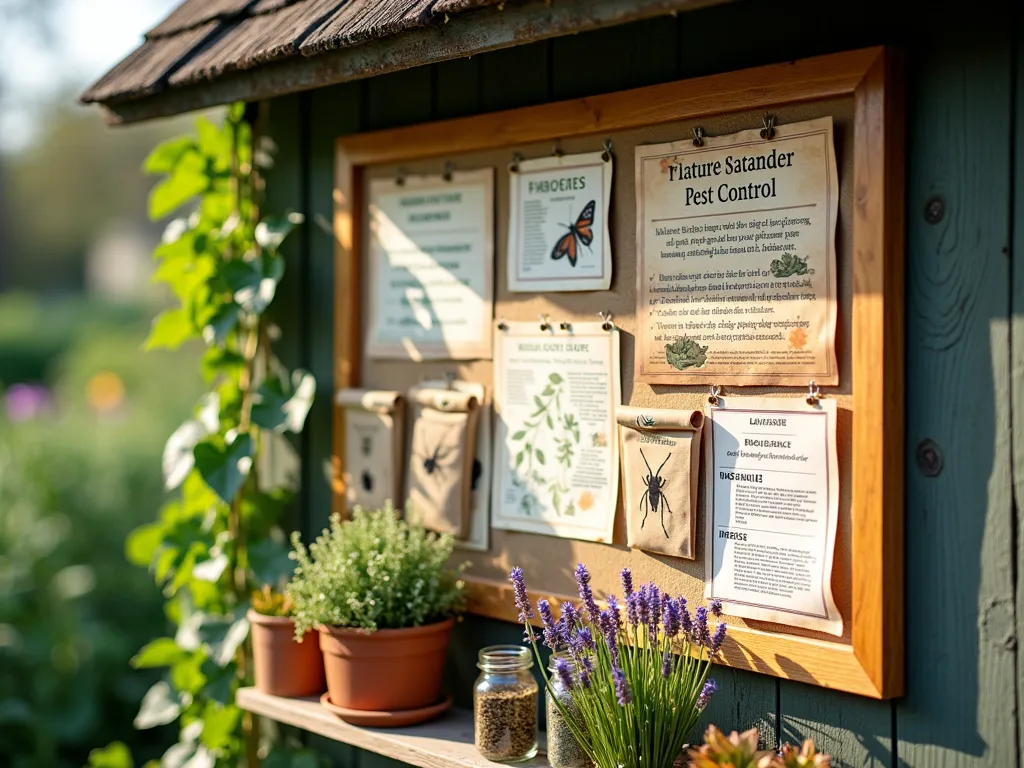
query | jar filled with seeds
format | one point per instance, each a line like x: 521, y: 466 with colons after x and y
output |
x: 505, y: 704
x: 563, y: 749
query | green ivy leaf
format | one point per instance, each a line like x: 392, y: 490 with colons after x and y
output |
x: 224, y: 469
x: 269, y: 561
x: 162, y: 652
x: 114, y: 755
x: 283, y: 406
x: 218, y: 361
x: 214, y: 141
x: 159, y: 707
x: 187, y: 675
x: 186, y: 181
x: 219, y: 724
x: 222, y: 635
x: 178, y: 458
x: 170, y: 330
x: 220, y: 682
x: 142, y: 544
x: 271, y: 232
x: 166, y: 155
x: 221, y: 324
x: 212, y: 569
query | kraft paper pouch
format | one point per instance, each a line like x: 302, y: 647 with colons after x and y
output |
x: 439, y: 482
x: 660, y: 462
x: 374, y: 447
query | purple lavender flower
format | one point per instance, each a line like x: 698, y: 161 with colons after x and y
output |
x: 551, y: 633
x: 586, y: 670
x: 718, y: 639
x: 564, y: 673
x: 673, y: 617
x: 522, y: 600
x: 613, y: 611
x: 654, y: 609
x: 586, y: 593
x: 610, y: 632
x: 700, y: 627
x: 666, y: 665
x: 581, y: 642
x: 643, y: 607
x: 627, y: 583
x: 716, y: 608
x: 571, y: 617
x: 705, y: 695
x: 621, y: 689
x: 686, y: 620
x: 633, y: 609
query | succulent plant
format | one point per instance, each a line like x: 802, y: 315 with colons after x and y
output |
x: 269, y: 602
x: 739, y: 750
x: 685, y: 353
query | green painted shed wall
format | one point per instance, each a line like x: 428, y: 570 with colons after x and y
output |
x: 964, y: 325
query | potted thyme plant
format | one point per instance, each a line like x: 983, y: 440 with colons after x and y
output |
x: 382, y: 595
x: 635, y: 701
x: 283, y: 664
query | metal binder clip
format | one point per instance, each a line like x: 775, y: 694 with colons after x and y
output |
x: 556, y: 151
x: 768, y: 131
x: 400, y: 177
x: 606, y: 317
x: 607, y: 154
x: 813, y: 393
x: 513, y: 167
x: 502, y: 325
x: 545, y: 324
x: 698, y: 137
x: 565, y: 325
x: 713, y: 393
x: 448, y: 169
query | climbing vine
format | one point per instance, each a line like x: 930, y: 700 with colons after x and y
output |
x: 218, y: 538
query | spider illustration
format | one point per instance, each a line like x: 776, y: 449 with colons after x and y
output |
x: 367, y: 480
x: 432, y: 462
x: 654, y: 497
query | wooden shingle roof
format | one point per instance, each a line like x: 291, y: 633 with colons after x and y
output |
x: 209, y: 52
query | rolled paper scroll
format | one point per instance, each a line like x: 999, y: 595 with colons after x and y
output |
x: 660, y: 462
x: 374, y: 446
x: 439, y: 483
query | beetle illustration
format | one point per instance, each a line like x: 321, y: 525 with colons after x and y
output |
x: 654, y: 496
x: 367, y: 480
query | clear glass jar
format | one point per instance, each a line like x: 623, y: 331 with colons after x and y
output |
x: 505, y: 704
x: 563, y: 749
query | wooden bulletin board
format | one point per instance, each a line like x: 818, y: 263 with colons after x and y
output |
x: 861, y: 91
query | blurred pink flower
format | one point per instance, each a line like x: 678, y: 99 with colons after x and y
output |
x: 26, y: 401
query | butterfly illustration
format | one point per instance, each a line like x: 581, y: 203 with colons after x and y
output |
x: 580, y: 232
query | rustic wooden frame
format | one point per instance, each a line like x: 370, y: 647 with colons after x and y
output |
x: 872, y: 664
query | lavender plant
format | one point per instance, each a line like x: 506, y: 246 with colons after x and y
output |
x: 638, y: 701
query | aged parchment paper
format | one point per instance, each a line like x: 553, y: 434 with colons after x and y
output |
x: 374, y: 447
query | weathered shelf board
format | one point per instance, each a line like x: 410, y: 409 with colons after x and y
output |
x: 444, y: 743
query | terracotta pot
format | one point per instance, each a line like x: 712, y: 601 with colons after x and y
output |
x: 387, y: 670
x: 284, y: 667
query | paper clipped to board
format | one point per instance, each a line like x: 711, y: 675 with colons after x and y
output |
x: 555, y: 447
x: 431, y: 253
x: 772, y: 510
x: 558, y: 224
x: 737, y: 259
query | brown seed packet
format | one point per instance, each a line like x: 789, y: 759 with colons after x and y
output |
x: 660, y: 463
x: 440, y: 477
x: 374, y: 447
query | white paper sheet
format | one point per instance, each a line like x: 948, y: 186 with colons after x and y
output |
x: 773, y: 505
x: 558, y: 224
x: 555, y: 447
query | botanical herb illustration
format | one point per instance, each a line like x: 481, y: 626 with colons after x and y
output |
x: 685, y: 353
x: 789, y: 264
x: 548, y: 417
x: 653, y: 497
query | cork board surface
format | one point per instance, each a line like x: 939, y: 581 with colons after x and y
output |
x: 547, y: 561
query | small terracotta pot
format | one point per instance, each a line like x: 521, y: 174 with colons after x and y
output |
x: 388, y: 670
x: 283, y: 666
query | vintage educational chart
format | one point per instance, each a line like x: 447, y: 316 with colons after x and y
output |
x: 773, y: 505
x: 736, y: 259
x: 558, y: 224
x: 430, y: 254
x: 555, y: 446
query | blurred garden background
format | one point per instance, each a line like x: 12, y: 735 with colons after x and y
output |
x: 84, y: 411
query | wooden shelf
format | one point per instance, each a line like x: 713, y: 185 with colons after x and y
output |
x: 444, y: 743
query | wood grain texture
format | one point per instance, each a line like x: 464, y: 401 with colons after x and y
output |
x: 1017, y: 377
x: 869, y: 666
x: 744, y: 700
x: 444, y: 743
x: 961, y: 673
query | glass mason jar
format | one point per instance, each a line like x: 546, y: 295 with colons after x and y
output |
x: 505, y: 704
x: 563, y: 749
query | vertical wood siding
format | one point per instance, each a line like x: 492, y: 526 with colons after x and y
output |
x: 965, y: 360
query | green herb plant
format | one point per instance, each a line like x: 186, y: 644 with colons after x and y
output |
x: 218, y: 538
x: 372, y: 572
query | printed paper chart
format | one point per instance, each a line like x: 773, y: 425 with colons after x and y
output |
x: 555, y: 449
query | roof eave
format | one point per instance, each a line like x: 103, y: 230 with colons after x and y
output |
x: 463, y: 35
